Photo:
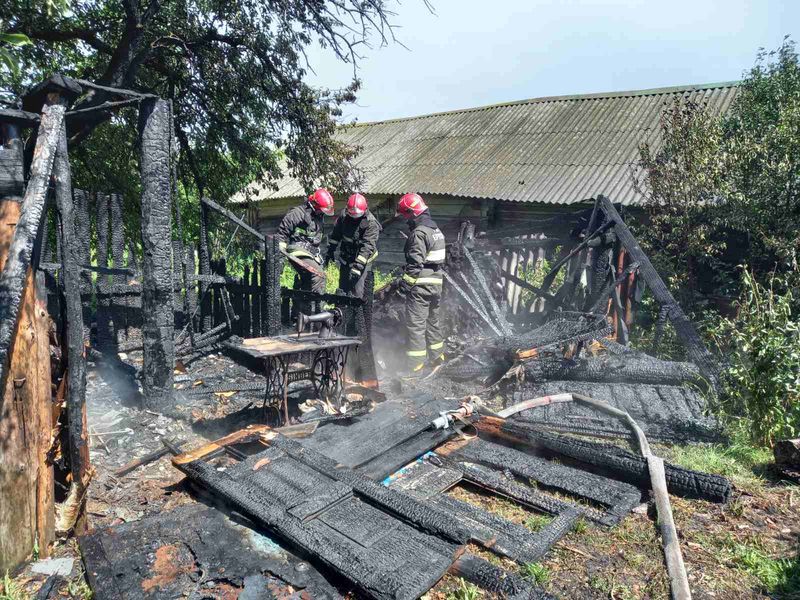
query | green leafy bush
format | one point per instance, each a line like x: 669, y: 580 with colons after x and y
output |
x: 761, y: 384
x: 332, y: 277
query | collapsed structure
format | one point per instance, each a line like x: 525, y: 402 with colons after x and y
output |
x: 362, y: 505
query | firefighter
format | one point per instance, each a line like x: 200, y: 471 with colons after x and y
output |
x: 355, y: 235
x: 300, y: 234
x: 422, y: 284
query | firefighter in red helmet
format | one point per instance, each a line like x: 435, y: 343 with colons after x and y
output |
x: 300, y: 235
x: 422, y: 284
x: 355, y: 236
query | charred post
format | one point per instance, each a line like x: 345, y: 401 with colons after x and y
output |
x: 104, y: 337
x: 119, y: 328
x: 272, y: 285
x: 204, y: 256
x: 71, y: 282
x: 81, y: 211
x: 157, y: 304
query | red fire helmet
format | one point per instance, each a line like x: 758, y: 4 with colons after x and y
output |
x: 411, y: 205
x: 356, y: 205
x: 322, y: 201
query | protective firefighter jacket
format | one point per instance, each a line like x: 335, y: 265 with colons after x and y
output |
x: 356, y: 239
x: 300, y: 232
x: 425, y: 252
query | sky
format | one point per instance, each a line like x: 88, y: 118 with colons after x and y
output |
x: 472, y: 53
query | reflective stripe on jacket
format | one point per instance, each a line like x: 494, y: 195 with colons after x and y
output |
x: 300, y: 232
x: 425, y: 252
x: 356, y: 239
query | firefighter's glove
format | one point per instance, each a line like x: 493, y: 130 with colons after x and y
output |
x: 404, y: 288
x: 355, y: 275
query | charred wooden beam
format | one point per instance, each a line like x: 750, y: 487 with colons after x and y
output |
x: 113, y: 90
x: 497, y: 581
x: 157, y: 292
x: 76, y: 350
x: 683, y: 326
x: 618, y: 462
x: 19, y: 118
x: 14, y: 275
x: 82, y: 112
x: 232, y: 218
x: 42, y: 93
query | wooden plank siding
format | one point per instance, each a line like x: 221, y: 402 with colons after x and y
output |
x: 489, y: 216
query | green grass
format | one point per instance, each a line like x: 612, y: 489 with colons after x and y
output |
x: 12, y: 590
x: 465, y: 591
x: 536, y: 522
x: 581, y: 526
x: 614, y: 590
x: 738, y: 461
x: 78, y: 588
x: 536, y: 572
x: 777, y: 575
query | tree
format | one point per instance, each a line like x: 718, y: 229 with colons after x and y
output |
x: 724, y: 190
x: 235, y: 72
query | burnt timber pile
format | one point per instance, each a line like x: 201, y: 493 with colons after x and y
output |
x: 336, y: 478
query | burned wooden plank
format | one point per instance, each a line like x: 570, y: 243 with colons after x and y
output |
x: 429, y: 479
x: 618, y: 497
x: 389, y: 461
x: 15, y: 272
x: 382, y: 556
x: 155, y: 119
x: 194, y: 551
x: 503, y: 537
x: 405, y: 505
x: 390, y: 425
x: 666, y: 412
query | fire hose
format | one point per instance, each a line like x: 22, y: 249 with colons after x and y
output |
x: 676, y: 569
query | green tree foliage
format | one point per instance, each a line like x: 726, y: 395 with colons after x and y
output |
x: 761, y: 386
x: 235, y: 72
x: 722, y: 190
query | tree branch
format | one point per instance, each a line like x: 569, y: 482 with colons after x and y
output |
x: 89, y: 36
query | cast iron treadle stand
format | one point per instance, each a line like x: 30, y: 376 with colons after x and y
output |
x: 324, y: 361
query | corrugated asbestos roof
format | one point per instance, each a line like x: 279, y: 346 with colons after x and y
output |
x: 556, y: 150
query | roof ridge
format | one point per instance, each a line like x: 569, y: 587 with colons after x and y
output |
x: 567, y: 97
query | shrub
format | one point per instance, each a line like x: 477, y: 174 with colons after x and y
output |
x: 761, y: 383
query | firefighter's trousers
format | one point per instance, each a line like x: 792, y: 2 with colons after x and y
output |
x: 425, y: 338
x: 303, y: 280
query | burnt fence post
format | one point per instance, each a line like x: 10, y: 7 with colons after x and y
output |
x: 157, y: 291
x: 272, y: 285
